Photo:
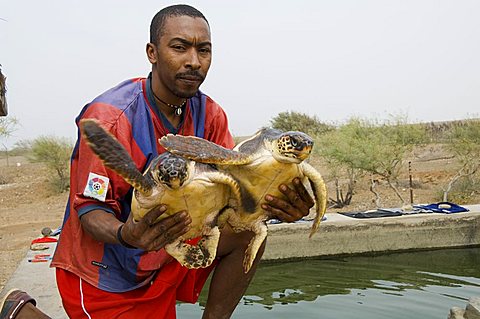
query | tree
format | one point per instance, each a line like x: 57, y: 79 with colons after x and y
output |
x: 295, y: 121
x: 340, y: 157
x: 7, y: 126
x: 368, y: 146
x: 55, y: 153
x: 464, y: 143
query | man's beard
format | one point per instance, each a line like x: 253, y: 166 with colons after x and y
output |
x: 189, y: 74
x: 183, y: 94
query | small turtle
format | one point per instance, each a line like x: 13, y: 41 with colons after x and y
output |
x: 179, y: 183
x: 259, y: 164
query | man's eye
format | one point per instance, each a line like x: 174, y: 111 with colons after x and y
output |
x: 204, y: 50
x: 179, y: 47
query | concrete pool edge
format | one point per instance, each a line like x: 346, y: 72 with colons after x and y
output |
x: 340, y: 235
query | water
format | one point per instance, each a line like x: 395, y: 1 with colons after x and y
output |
x: 396, y: 286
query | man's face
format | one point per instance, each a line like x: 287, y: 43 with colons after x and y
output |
x: 182, y: 56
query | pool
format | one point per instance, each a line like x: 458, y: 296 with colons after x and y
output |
x: 402, y: 285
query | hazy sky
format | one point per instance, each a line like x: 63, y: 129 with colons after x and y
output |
x: 333, y: 59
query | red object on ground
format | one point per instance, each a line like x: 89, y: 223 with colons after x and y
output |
x: 44, y: 240
x: 40, y: 258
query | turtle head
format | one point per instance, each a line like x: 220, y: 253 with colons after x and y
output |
x: 292, y: 147
x: 172, y: 170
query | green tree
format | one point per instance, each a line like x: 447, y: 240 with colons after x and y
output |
x: 368, y: 146
x: 295, y: 121
x: 464, y: 143
x: 55, y: 153
x: 7, y: 126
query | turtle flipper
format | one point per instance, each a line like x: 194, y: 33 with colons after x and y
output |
x: 319, y: 192
x: 235, y: 189
x: 239, y: 224
x: 114, y: 155
x: 201, y: 150
x: 260, y: 231
x: 196, y: 256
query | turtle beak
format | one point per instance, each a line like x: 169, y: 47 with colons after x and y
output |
x: 304, y: 154
x: 305, y: 149
x: 175, y: 183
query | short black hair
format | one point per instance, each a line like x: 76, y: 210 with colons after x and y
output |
x: 158, y: 20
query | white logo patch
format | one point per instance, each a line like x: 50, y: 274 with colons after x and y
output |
x: 97, y: 186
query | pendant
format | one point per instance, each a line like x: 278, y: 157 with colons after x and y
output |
x: 178, y: 111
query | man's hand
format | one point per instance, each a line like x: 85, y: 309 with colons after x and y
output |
x: 296, y: 207
x: 148, y: 235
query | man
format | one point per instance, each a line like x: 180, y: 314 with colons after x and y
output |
x: 3, y: 92
x: 109, y: 266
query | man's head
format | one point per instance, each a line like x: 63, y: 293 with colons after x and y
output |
x: 158, y: 20
x: 179, y: 50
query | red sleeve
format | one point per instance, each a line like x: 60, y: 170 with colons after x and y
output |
x: 216, y: 125
x: 86, y: 162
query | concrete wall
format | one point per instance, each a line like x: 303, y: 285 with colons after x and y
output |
x: 341, y: 235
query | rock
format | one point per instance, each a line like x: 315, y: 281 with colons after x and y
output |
x: 472, y: 311
x: 456, y: 313
x: 473, y: 308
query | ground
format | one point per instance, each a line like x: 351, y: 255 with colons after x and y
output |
x: 27, y: 203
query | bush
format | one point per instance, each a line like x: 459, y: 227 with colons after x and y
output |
x: 371, y: 147
x: 55, y: 153
x: 464, y: 143
x: 295, y: 121
x: 463, y: 191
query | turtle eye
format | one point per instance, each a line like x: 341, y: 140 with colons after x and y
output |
x: 293, y: 142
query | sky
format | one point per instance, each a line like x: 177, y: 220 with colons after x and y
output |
x: 332, y: 59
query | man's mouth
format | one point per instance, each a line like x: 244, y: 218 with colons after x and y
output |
x: 190, y: 78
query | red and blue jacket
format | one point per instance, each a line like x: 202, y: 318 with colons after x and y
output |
x: 128, y: 112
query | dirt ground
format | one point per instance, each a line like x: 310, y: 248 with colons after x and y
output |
x: 27, y: 204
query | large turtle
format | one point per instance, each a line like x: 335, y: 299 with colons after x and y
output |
x: 259, y: 164
x: 179, y: 183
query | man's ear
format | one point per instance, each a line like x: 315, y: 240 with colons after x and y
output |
x: 151, y: 53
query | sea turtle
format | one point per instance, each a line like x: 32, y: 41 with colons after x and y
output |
x: 259, y: 164
x: 179, y: 183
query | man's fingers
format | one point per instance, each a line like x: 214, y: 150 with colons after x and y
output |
x: 180, y: 217
x: 173, y: 225
x: 169, y: 229
x: 295, y: 199
x: 302, y: 192
x: 150, y: 218
x: 282, y: 209
x: 279, y: 214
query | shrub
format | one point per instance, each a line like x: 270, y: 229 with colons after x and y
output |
x: 371, y: 147
x: 464, y: 143
x: 55, y: 153
x: 295, y: 121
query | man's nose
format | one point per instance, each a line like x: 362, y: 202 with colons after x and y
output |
x: 193, y: 61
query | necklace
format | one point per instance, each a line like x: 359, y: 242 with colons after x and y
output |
x: 178, y: 108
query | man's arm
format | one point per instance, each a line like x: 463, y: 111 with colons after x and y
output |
x: 145, y: 234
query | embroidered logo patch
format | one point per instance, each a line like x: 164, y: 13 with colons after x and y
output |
x: 96, y: 187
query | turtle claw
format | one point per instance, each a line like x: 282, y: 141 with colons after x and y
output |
x: 248, y: 262
x: 196, y: 256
